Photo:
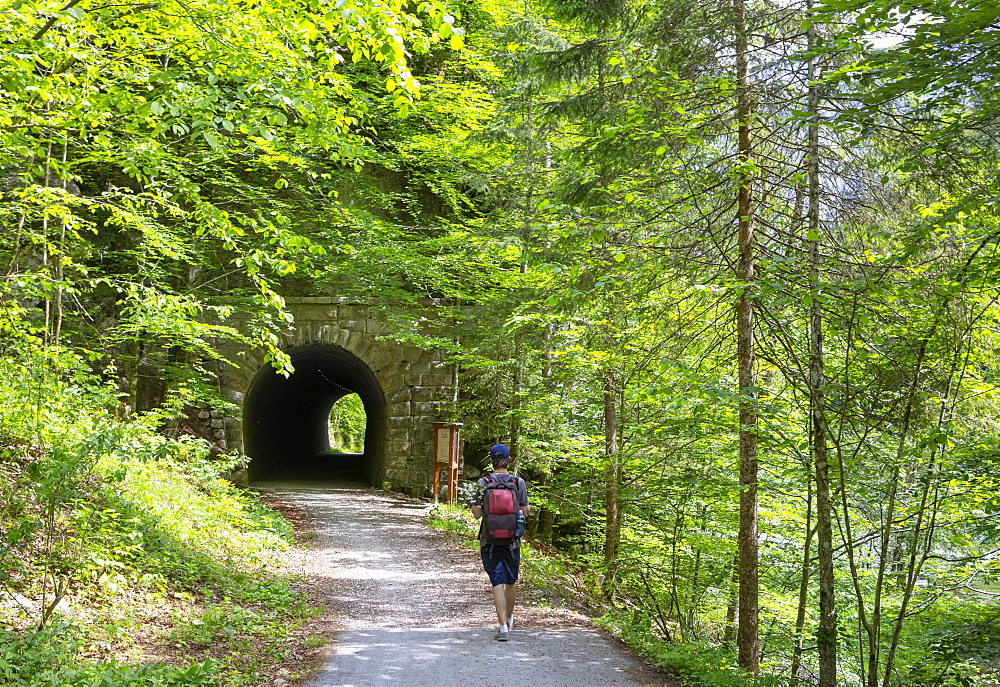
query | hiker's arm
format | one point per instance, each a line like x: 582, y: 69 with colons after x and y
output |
x: 475, y: 501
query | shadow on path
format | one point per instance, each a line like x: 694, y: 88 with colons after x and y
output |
x: 408, y: 608
x: 463, y: 657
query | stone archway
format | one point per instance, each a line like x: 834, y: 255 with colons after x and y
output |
x: 343, y: 346
x: 285, y: 418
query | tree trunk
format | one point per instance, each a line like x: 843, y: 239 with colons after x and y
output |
x: 177, y: 361
x: 827, y: 631
x: 800, y: 617
x: 612, y: 481
x: 516, y: 398
x: 46, y: 338
x: 546, y: 518
x: 732, y: 608
x: 60, y: 267
x: 747, y: 635
x: 875, y: 630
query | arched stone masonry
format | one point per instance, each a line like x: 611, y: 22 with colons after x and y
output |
x: 418, y: 387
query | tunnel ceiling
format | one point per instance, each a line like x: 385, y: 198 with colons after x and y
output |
x: 285, y: 419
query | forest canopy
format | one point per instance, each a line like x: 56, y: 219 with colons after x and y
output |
x: 723, y: 275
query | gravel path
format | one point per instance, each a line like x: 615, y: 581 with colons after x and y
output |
x: 409, y: 608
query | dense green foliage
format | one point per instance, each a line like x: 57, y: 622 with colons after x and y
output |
x: 46, y: 657
x: 134, y: 533
x: 615, y: 368
x: 568, y: 177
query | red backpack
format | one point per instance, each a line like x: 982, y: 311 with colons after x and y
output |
x: 500, y: 508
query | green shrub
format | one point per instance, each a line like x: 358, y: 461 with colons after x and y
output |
x: 958, y: 646
x: 103, y: 510
x: 47, y: 658
x: 455, y: 519
x: 701, y: 663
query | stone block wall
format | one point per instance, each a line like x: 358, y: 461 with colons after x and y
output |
x: 417, y: 384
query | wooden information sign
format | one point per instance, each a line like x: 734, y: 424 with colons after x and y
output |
x: 446, y: 457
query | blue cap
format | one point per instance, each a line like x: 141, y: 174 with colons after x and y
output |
x: 499, y: 451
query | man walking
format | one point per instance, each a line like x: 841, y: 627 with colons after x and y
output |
x: 501, y: 553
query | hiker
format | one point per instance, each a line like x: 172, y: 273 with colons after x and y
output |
x: 500, y: 533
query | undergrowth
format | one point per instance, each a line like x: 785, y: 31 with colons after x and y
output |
x: 125, y: 558
x: 47, y: 657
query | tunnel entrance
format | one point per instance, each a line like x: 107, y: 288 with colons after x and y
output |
x: 286, y: 421
x: 347, y: 425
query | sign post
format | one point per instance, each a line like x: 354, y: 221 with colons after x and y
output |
x: 446, y: 457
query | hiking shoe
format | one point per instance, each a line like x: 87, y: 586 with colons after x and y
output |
x: 510, y: 623
x: 503, y: 634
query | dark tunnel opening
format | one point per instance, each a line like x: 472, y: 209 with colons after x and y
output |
x: 285, y: 420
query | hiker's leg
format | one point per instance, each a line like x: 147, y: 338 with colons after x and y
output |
x: 500, y: 602
x: 514, y: 557
x: 510, y: 595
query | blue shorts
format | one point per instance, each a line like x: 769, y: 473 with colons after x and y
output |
x: 501, y: 563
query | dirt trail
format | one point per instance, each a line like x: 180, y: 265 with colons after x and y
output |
x: 409, y: 608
